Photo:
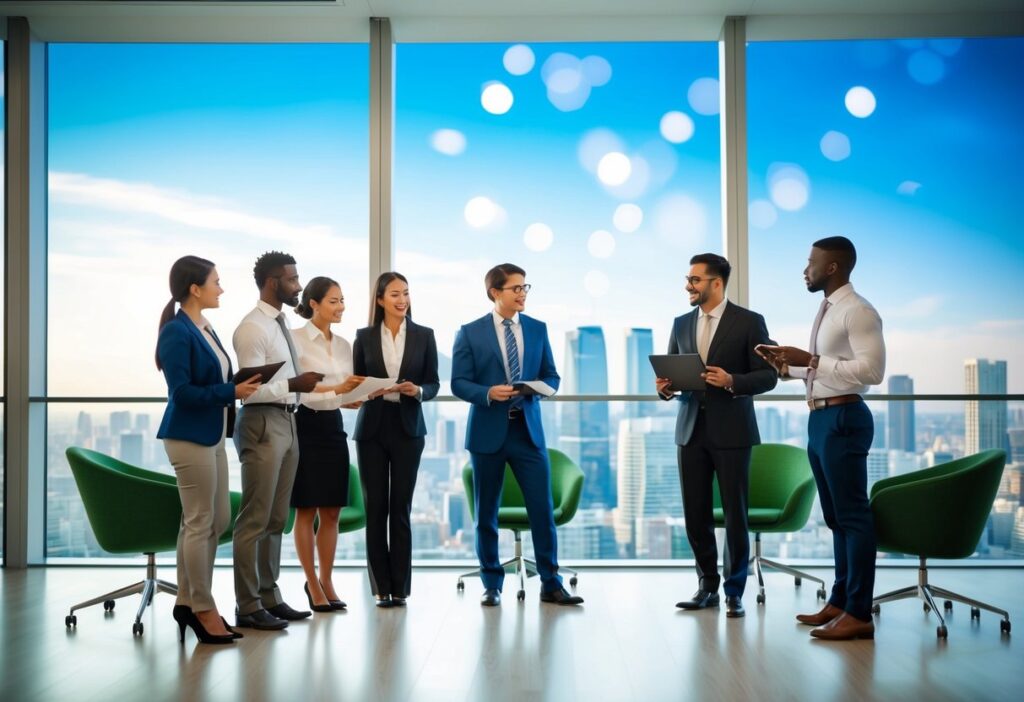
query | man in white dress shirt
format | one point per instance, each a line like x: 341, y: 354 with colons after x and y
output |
x: 267, y: 447
x: 846, y: 355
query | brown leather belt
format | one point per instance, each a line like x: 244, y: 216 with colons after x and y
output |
x: 825, y: 402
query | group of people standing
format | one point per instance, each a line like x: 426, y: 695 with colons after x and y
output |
x: 294, y: 452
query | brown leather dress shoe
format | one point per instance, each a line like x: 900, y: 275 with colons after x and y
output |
x: 822, y: 618
x: 845, y: 627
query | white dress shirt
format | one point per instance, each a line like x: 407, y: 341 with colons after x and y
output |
x: 850, y: 347
x: 331, y: 357
x: 517, y: 333
x: 258, y: 340
x: 225, y: 364
x: 392, y: 349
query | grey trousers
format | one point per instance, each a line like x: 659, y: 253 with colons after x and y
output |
x: 202, y: 473
x: 269, y: 451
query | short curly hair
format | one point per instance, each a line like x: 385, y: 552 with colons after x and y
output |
x: 267, y: 264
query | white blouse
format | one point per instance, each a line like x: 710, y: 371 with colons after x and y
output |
x: 393, y: 350
x: 331, y: 357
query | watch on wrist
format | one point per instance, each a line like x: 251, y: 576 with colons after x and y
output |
x: 813, y: 363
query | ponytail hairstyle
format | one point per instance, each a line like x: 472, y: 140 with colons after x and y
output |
x: 186, y: 272
x: 316, y: 289
x: 383, y: 281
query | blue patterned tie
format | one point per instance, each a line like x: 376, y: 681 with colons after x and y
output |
x: 512, y: 355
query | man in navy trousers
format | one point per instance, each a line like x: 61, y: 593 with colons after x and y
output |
x: 491, y: 354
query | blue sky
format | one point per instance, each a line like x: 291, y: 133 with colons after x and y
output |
x: 225, y: 151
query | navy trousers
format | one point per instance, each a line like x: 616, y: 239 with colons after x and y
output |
x: 838, y: 439
x: 533, y: 473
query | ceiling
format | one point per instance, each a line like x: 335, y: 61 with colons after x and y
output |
x: 525, y: 20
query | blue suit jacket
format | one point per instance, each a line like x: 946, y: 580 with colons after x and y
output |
x: 196, y: 391
x: 477, y: 364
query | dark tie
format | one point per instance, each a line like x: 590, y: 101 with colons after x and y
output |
x: 512, y: 355
x: 291, y: 347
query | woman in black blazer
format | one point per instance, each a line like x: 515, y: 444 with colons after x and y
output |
x: 389, y: 431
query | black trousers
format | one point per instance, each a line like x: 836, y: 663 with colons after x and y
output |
x: 699, y: 464
x: 388, y: 465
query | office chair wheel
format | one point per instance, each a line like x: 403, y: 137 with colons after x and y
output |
x: 71, y: 621
x: 108, y: 605
x: 1004, y: 626
x: 573, y: 580
x: 798, y: 581
x: 760, y: 598
x: 975, y: 613
x: 941, y: 631
x: 876, y: 609
x: 137, y: 629
x: 521, y: 595
x: 927, y: 607
x: 948, y: 605
x: 460, y: 586
x: 820, y: 594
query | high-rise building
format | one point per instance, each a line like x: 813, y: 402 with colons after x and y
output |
x: 120, y: 422
x: 985, y: 420
x: 455, y: 513
x: 131, y: 448
x: 1016, y: 439
x: 639, y: 374
x: 770, y: 425
x: 878, y: 465
x: 142, y: 423
x: 902, y: 431
x: 647, y: 477
x: 584, y: 427
x: 445, y: 436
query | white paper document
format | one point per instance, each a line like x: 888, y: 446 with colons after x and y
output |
x: 534, y: 387
x: 367, y: 388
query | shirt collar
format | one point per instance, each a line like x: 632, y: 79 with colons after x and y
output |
x: 717, y: 312
x: 840, y: 294
x: 313, y: 331
x: 500, y: 321
x: 268, y: 310
x: 384, y: 331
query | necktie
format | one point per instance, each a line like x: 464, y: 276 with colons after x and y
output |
x: 512, y: 355
x: 813, y: 347
x: 291, y: 347
x: 704, y: 344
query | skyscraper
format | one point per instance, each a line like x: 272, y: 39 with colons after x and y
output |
x: 648, y: 477
x: 639, y: 374
x: 902, y: 432
x: 584, y: 430
x: 985, y: 421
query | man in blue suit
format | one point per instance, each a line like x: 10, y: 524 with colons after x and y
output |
x: 491, y: 354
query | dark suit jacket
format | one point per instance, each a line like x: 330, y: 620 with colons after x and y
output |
x: 729, y: 416
x: 477, y: 364
x: 419, y: 366
x: 196, y: 391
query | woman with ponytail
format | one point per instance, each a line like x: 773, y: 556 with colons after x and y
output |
x: 321, y: 480
x: 200, y: 414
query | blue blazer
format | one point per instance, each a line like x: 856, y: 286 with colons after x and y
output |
x: 477, y: 365
x: 196, y: 391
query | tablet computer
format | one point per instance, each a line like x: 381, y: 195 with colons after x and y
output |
x: 683, y: 369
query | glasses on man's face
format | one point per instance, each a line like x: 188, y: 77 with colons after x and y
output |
x: 695, y: 280
x: 517, y: 289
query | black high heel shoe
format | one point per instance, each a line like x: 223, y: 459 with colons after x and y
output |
x: 187, y: 618
x: 235, y: 634
x: 316, y: 607
x: 335, y: 604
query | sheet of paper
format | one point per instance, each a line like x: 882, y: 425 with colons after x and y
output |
x: 367, y: 388
x: 539, y: 387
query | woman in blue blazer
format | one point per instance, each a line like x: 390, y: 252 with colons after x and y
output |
x: 389, y: 431
x: 199, y: 415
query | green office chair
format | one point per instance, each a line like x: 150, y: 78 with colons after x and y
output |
x: 781, y: 496
x: 131, y: 510
x: 566, y: 489
x: 938, y: 512
x: 352, y: 516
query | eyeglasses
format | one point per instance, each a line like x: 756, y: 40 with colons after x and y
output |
x: 695, y: 280
x: 518, y: 288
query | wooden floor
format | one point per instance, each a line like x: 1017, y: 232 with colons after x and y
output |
x: 628, y: 642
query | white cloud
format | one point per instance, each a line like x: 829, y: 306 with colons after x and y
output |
x: 923, y: 306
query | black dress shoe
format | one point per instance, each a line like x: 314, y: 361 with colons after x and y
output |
x: 491, y: 598
x: 701, y: 599
x: 283, y: 611
x: 397, y: 601
x: 260, y: 619
x: 384, y: 601
x: 560, y: 596
x: 734, y: 606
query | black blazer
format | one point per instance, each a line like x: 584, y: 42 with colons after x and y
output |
x: 419, y: 365
x: 729, y: 415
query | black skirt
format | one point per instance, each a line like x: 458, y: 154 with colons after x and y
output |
x: 322, y: 476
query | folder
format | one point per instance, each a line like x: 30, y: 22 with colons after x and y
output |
x: 265, y: 372
x: 683, y: 369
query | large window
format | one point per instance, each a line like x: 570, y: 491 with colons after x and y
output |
x: 157, y: 151
x: 912, y: 149
x: 595, y: 167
